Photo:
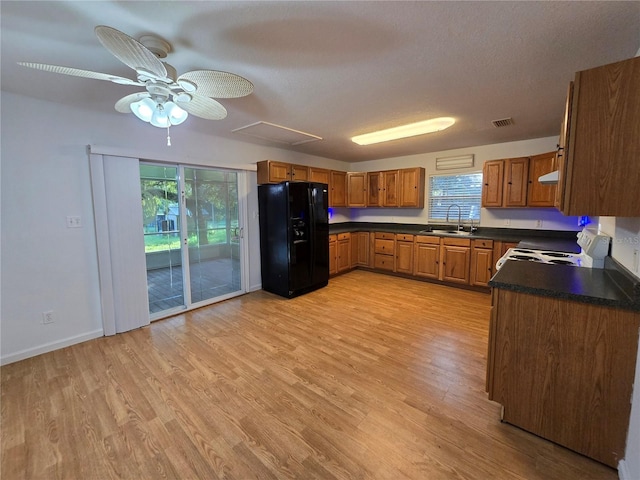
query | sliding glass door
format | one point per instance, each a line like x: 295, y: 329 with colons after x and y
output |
x: 211, y: 199
x: 193, y: 236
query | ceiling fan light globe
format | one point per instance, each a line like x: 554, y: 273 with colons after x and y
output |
x: 176, y: 114
x: 144, y: 109
x: 160, y: 118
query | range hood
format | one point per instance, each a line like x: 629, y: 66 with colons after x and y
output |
x: 549, y: 178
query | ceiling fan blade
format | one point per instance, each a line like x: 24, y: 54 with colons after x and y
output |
x: 129, y: 51
x: 203, y: 107
x: 80, y: 73
x: 124, y: 104
x: 216, y: 84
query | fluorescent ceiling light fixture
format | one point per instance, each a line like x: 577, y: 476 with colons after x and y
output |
x: 404, y: 131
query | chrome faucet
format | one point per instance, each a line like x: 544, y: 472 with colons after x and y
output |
x: 459, y: 215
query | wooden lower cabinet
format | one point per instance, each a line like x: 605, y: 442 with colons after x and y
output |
x: 343, y: 252
x: 482, y: 262
x: 384, y: 251
x: 404, y: 254
x: 427, y: 257
x: 455, y: 260
x: 564, y: 370
x: 333, y: 254
x: 359, y: 249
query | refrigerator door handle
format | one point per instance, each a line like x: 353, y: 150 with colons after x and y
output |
x: 312, y: 226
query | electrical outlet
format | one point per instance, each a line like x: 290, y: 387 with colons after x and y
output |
x: 47, y: 317
x: 538, y: 223
x: 507, y: 222
x: 74, y: 221
x: 636, y: 260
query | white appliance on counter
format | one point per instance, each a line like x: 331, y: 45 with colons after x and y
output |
x: 594, y: 248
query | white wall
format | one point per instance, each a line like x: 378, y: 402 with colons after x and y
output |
x: 494, y: 217
x: 45, y: 177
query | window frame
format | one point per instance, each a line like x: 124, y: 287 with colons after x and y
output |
x: 476, y: 197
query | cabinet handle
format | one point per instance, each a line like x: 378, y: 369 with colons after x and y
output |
x: 486, y: 184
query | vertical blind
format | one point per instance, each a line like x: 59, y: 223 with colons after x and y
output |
x: 464, y: 190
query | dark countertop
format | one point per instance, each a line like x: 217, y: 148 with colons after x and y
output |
x: 557, y: 240
x: 599, y: 286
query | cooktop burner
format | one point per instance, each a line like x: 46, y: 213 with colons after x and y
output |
x: 561, y: 262
x: 556, y: 254
x: 525, y: 257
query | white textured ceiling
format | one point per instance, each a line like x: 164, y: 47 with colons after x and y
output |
x: 338, y: 69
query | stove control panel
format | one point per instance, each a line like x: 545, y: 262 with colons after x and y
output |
x: 594, y: 244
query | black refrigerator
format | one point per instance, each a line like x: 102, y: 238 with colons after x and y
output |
x: 294, y: 237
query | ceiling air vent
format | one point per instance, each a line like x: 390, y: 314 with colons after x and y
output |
x: 503, y: 122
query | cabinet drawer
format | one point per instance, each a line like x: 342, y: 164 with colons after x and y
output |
x: 383, y: 246
x: 385, y: 235
x: 383, y: 262
x: 483, y: 244
x: 458, y: 242
x: 427, y: 239
x: 343, y: 236
x: 404, y: 237
x: 333, y: 238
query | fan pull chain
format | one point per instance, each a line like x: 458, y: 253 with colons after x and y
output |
x: 168, y: 136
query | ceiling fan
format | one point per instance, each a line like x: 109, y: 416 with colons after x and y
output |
x: 168, y: 98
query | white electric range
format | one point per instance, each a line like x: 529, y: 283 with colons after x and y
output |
x: 594, y: 248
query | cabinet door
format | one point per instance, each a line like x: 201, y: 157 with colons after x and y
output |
x: 516, y: 175
x: 404, y: 254
x: 539, y: 195
x: 319, y: 175
x: 427, y: 260
x: 360, y: 249
x: 344, y: 251
x: 273, y: 172
x: 456, y: 262
x: 333, y: 255
x: 492, y: 180
x: 356, y: 189
x: 338, y: 189
x: 481, y: 266
x: 390, y: 188
x: 412, y: 187
x: 603, y: 172
x: 564, y: 370
x: 563, y: 151
x: 374, y: 189
x: 299, y: 173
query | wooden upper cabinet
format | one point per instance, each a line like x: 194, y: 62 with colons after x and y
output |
x: 562, y: 151
x: 389, y: 188
x: 540, y: 195
x: 270, y: 171
x: 299, y: 173
x: 338, y: 189
x: 601, y: 172
x: 492, y: 178
x: 516, y: 175
x: 374, y: 189
x: 319, y: 175
x: 412, y: 187
x: 357, y: 189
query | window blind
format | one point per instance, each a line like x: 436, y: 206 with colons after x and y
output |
x: 464, y: 190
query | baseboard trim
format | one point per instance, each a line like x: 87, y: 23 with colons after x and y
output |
x: 50, y: 347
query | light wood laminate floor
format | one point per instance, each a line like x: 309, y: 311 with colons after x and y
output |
x: 372, y: 377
